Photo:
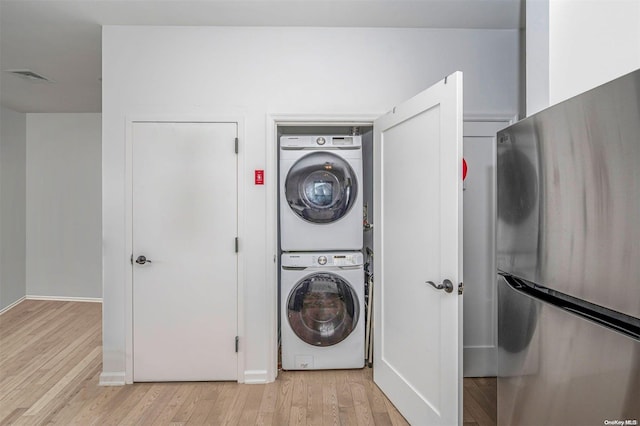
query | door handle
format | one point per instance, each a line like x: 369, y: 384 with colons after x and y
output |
x: 446, y: 285
x: 141, y: 260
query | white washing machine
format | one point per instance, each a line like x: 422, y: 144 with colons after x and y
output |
x: 322, y: 311
x: 320, y: 193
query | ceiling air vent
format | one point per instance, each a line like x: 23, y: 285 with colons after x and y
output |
x: 29, y: 75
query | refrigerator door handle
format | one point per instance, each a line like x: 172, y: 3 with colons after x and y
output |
x: 446, y: 285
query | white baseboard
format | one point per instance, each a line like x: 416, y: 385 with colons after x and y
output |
x: 480, y: 361
x: 252, y: 377
x: 12, y: 305
x: 118, y: 378
x: 65, y: 298
x: 112, y: 378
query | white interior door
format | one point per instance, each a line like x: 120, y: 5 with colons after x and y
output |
x: 418, y: 238
x: 185, y: 224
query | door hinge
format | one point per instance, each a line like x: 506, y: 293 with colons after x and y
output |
x: 237, y: 343
x: 460, y: 288
x: 237, y: 245
x: 131, y: 259
x: 237, y: 142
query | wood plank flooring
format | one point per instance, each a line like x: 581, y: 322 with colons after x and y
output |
x: 51, y: 359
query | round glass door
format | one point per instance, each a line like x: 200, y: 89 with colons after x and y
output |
x: 322, y: 309
x: 321, y: 187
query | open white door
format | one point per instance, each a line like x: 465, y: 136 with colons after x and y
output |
x: 418, y: 238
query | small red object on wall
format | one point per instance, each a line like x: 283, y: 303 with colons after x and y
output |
x: 259, y: 177
x: 464, y: 169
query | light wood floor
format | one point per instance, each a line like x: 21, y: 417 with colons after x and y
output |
x: 51, y: 358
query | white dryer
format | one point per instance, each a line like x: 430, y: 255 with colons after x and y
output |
x: 322, y: 311
x: 320, y: 193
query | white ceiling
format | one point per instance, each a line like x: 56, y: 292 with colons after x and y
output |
x: 61, y: 40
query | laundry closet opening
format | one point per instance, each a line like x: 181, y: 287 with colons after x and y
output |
x: 325, y: 245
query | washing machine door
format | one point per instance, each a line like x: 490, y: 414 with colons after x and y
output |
x: 323, y: 309
x: 321, y: 187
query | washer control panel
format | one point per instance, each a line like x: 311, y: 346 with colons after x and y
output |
x: 311, y: 260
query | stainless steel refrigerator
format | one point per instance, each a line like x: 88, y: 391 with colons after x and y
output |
x: 568, y: 256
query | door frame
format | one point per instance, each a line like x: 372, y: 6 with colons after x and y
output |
x: 271, y: 183
x: 486, y: 126
x: 128, y: 190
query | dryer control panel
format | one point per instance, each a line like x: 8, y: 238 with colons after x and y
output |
x: 311, y: 260
x: 321, y: 142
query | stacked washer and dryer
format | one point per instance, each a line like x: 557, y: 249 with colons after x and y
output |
x: 322, y: 273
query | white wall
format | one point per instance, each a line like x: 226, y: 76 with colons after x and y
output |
x: 591, y: 42
x: 253, y: 72
x: 576, y: 45
x: 12, y: 206
x: 64, y: 210
x: 537, y: 55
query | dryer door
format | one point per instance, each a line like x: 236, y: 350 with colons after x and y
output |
x: 321, y: 187
x: 323, y: 309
